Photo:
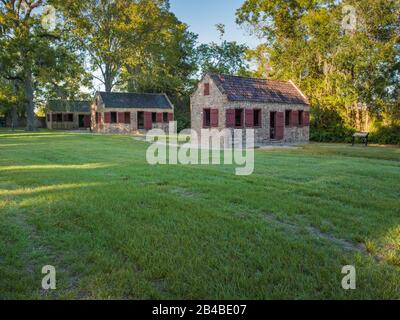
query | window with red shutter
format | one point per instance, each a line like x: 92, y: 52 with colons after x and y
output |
x: 249, y: 115
x: 165, y: 117
x: 214, y: 118
x: 239, y: 118
x: 159, y: 117
x: 230, y: 118
x: 68, y: 117
x: 170, y: 117
x: 206, y: 89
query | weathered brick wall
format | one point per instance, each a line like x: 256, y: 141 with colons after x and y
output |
x: 198, y: 102
x: 216, y: 100
x: 64, y: 125
x: 292, y: 135
x: 121, y: 128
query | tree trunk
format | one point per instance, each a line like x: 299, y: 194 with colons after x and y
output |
x: 108, y: 85
x: 30, y: 105
x: 108, y: 79
x: 14, y: 117
x: 14, y: 112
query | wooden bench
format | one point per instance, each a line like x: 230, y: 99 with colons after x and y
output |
x: 361, y: 135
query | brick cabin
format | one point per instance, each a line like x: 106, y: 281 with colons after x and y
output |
x: 277, y: 110
x: 127, y: 113
x: 68, y: 114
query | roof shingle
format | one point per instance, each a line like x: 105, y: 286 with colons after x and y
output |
x: 258, y: 90
x: 68, y: 106
x: 115, y: 100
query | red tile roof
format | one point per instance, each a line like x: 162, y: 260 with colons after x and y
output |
x: 258, y: 90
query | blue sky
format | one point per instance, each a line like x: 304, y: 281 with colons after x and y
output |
x: 203, y: 15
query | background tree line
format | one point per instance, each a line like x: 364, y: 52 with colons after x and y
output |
x: 351, y: 76
x: 126, y: 45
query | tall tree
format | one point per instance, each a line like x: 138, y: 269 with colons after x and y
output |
x: 164, y: 60
x: 95, y: 25
x: 224, y: 57
x: 135, y: 44
x: 31, y: 49
x: 343, y: 54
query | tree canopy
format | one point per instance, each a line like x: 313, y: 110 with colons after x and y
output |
x: 226, y: 57
x: 343, y: 54
x: 35, y: 54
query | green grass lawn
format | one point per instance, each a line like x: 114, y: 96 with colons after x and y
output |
x: 116, y: 228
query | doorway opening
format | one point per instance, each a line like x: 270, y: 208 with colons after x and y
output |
x: 273, y: 125
x: 140, y: 118
x: 81, y: 121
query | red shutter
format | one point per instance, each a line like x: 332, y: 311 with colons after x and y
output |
x: 230, y: 118
x: 280, y: 125
x: 214, y: 118
x: 295, y: 119
x: 249, y: 118
x: 99, y: 118
x: 107, y: 117
x: 170, y: 117
x: 306, y: 118
x: 87, y: 121
x: 148, y: 122
x: 159, y: 117
x: 121, y: 117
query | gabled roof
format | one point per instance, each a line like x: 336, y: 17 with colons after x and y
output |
x: 259, y: 90
x: 68, y: 106
x: 115, y: 100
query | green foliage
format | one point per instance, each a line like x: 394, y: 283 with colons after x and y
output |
x: 182, y: 112
x: 41, y: 63
x: 328, y: 126
x: 386, y: 135
x: 335, y: 68
x: 138, y: 46
x: 334, y: 133
x: 224, y: 58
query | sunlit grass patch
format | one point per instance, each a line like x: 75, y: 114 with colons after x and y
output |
x: 116, y: 227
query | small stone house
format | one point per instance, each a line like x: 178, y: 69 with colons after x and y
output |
x: 277, y: 110
x: 68, y: 114
x: 126, y: 113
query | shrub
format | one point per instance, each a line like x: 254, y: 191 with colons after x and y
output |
x: 386, y: 135
x: 338, y: 133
